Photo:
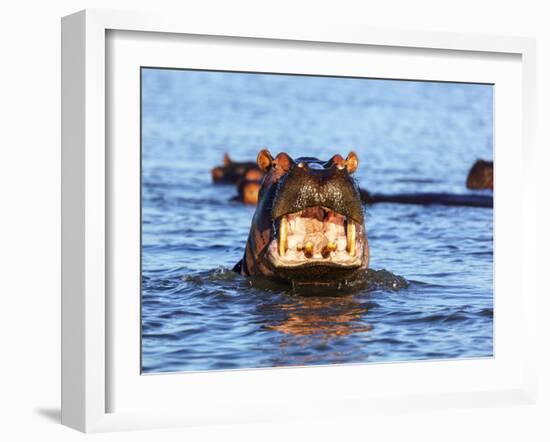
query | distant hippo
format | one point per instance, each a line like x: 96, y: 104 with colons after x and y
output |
x: 248, y: 191
x: 480, y: 175
x: 248, y: 187
x: 309, y: 225
x: 231, y: 172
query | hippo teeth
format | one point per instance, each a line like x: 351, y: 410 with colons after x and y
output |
x: 308, y: 249
x: 350, y: 234
x: 283, y: 236
x: 330, y: 247
x: 317, y: 234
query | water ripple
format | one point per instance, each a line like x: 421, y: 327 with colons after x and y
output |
x: 432, y: 293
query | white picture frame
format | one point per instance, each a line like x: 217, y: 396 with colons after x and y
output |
x: 87, y: 210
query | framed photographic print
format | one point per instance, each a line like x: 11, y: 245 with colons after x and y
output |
x: 263, y: 222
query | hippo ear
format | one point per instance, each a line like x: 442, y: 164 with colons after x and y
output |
x: 352, y: 162
x: 336, y: 160
x: 264, y: 160
x: 226, y: 160
x: 284, y: 161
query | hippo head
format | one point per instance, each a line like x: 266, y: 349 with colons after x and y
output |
x: 480, y: 175
x: 231, y: 172
x: 309, y: 225
x: 248, y: 191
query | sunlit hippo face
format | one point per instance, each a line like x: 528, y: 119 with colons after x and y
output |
x: 309, y: 223
x: 248, y: 191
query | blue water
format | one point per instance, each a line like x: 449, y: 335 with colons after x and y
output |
x: 410, y: 136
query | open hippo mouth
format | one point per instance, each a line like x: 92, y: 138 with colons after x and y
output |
x: 316, y: 236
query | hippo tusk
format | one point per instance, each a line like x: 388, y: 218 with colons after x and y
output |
x: 330, y: 247
x: 308, y: 249
x: 283, y: 234
x: 351, y: 238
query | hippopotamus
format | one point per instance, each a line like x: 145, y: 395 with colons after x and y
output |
x: 248, y: 191
x: 249, y: 186
x: 231, y: 172
x: 308, y: 226
x: 480, y: 175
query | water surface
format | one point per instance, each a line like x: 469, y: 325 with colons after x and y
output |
x: 410, y: 136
